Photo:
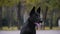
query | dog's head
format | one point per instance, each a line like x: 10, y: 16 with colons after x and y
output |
x: 35, y: 15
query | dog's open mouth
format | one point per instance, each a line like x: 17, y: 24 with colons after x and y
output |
x: 36, y: 23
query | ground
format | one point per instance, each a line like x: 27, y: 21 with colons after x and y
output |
x: 37, y: 32
x: 15, y: 28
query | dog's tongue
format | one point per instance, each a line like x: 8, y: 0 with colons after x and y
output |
x: 37, y: 24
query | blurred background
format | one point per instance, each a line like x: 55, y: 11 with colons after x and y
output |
x: 14, y: 13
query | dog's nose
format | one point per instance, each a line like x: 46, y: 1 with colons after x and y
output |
x: 40, y: 21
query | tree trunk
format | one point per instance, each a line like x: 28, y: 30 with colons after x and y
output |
x: 19, y: 15
x: 44, y: 17
x: 51, y: 20
x: 0, y: 17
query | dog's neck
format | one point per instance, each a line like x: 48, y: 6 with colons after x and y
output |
x: 31, y: 24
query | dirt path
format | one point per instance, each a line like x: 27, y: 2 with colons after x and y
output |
x: 38, y: 32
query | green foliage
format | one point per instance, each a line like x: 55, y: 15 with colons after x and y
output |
x: 50, y: 3
x: 8, y: 2
x: 54, y: 3
x: 1, y: 2
x: 33, y: 2
x: 30, y: 1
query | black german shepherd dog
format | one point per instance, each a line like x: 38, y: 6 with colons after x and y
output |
x: 29, y: 26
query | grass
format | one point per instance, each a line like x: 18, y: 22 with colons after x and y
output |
x: 54, y: 28
x: 11, y: 28
x: 15, y: 28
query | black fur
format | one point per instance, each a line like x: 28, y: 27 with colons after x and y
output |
x: 29, y: 26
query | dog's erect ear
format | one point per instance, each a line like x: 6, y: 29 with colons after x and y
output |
x: 38, y: 10
x: 32, y: 11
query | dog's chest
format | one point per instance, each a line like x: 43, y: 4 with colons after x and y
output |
x: 27, y: 28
